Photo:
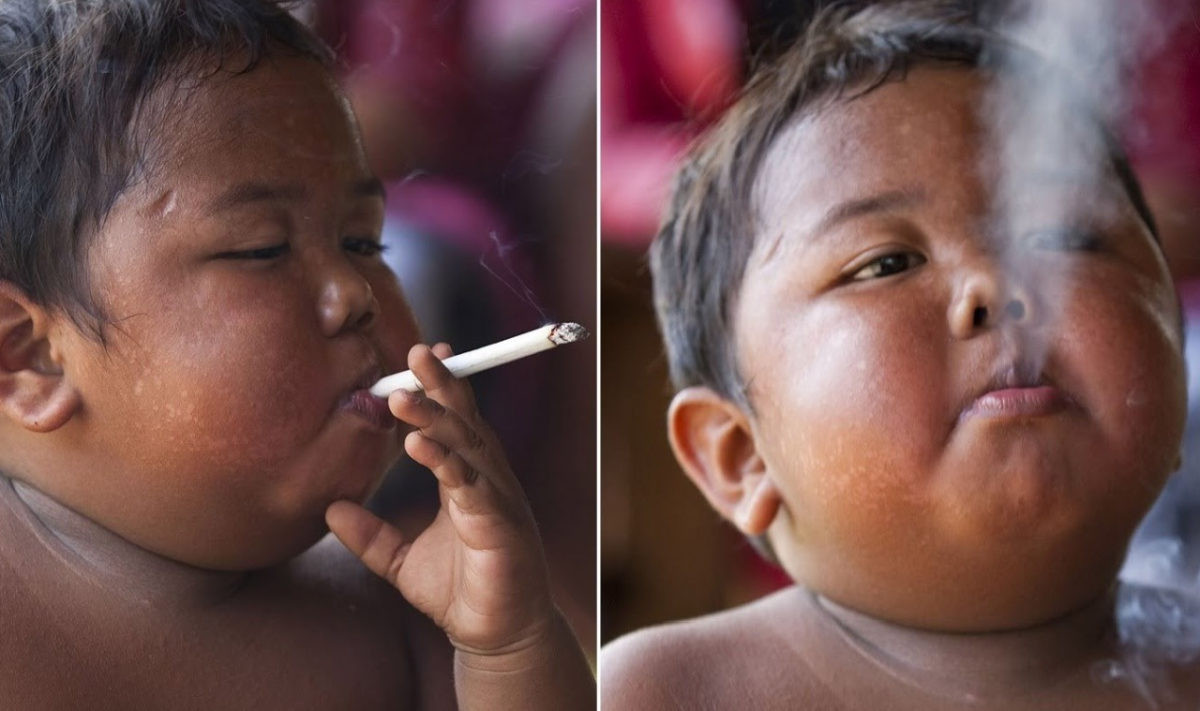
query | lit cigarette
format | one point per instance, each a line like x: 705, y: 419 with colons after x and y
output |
x: 471, y: 362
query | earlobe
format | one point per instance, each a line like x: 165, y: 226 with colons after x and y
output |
x: 759, y: 507
x: 33, y: 390
x: 713, y: 441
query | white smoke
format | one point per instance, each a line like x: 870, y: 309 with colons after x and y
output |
x: 1066, y: 74
x: 1072, y: 61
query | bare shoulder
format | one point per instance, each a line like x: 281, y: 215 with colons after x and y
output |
x: 734, y: 658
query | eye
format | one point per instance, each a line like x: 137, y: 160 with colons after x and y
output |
x: 258, y: 253
x: 365, y: 246
x: 887, y: 265
x: 1069, y: 239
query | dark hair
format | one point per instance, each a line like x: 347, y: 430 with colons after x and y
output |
x: 699, y: 256
x: 76, y: 127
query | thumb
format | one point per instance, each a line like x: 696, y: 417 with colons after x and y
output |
x: 378, y: 544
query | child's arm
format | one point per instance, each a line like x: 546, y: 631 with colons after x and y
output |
x: 478, y: 571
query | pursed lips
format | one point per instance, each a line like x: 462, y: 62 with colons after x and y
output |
x: 359, y: 401
x: 1018, y: 389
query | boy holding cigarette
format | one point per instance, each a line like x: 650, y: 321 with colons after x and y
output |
x: 192, y: 307
x: 943, y: 422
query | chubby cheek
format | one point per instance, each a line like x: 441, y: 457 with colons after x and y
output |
x: 229, y: 379
x: 851, y: 410
x: 1123, y: 342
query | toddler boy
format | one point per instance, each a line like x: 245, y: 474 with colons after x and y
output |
x: 192, y: 303
x: 942, y: 421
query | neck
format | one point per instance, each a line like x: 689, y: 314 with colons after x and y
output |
x: 981, y: 665
x: 105, y: 559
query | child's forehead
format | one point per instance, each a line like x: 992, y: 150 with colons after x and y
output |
x: 278, y: 123
x: 909, y: 136
x: 292, y: 94
x: 916, y: 143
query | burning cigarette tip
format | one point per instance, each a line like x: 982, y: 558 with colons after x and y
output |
x: 568, y: 332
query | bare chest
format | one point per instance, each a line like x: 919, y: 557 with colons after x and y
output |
x: 311, y: 652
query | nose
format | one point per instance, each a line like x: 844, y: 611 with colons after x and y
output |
x: 346, y: 301
x: 987, y: 297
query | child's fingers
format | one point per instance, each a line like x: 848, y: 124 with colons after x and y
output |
x: 450, y: 469
x: 439, y: 383
x: 444, y: 351
x: 439, y: 422
x: 447, y: 433
x: 460, y: 480
x: 379, y: 545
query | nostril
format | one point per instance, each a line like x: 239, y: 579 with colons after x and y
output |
x: 1015, y: 310
x: 979, y: 316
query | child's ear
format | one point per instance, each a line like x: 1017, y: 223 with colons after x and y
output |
x: 33, y: 391
x: 715, y: 444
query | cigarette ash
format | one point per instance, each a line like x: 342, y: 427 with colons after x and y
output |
x: 567, y: 332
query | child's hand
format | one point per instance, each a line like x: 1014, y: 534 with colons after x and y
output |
x: 478, y: 570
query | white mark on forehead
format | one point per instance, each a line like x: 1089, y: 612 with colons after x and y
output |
x: 162, y: 206
x: 352, y: 120
x: 169, y: 200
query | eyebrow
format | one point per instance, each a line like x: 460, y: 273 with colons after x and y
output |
x: 255, y: 192
x: 873, y: 204
x: 369, y: 187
